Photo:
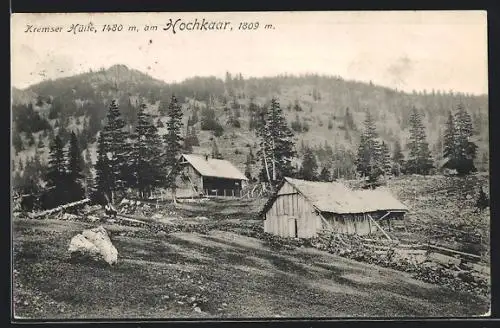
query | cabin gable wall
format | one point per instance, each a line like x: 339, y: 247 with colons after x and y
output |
x: 292, y: 215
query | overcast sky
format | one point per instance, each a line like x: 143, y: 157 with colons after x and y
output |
x: 404, y: 50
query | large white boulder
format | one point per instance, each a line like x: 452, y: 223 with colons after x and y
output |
x: 94, y: 243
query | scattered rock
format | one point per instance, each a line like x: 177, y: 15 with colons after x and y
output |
x: 69, y: 216
x: 94, y: 243
x: 197, y: 309
x: 92, y: 218
x: 157, y: 216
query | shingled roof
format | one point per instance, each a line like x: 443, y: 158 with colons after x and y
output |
x: 335, y: 197
x: 211, y: 167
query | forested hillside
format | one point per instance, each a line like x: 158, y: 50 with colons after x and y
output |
x: 325, y: 113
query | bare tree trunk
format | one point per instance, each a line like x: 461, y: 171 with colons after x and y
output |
x: 265, y: 164
x: 274, y: 163
x: 174, y: 198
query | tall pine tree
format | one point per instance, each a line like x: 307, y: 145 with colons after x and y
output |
x: 369, y: 152
x: 173, y: 143
x: 104, y: 173
x: 309, y: 168
x: 450, y: 148
x: 398, y: 159
x: 465, y: 150
x: 115, y: 147
x: 56, y: 176
x: 146, y: 154
x: 325, y: 174
x: 215, y: 151
x: 276, y: 144
x: 419, y: 159
x: 75, y: 169
x: 385, y: 158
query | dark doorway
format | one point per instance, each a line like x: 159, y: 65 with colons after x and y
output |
x: 296, y: 230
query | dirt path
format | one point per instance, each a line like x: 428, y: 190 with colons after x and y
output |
x: 219, y: 275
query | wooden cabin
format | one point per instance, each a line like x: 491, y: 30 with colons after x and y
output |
x: 301, y: 209
x: 205, y: 176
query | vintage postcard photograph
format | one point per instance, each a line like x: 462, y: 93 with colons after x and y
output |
x: 255, y: 165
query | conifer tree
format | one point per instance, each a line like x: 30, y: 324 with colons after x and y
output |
x: 173, y: 143
x: 325, y: 174
x: 187, y: 145
x: 348, y: 120
x: 104, y: 172
x: 369, y: 153
x: 17, y: 141
x: 215, y: 151
x: 419, y: 159
x: 309, y: 168
x: 74, y: 169
x: 397, y: 159
x: 276, y: 144
x: 116, y: 148
x: 482, y: 201
x: 450, y: 133
x: 163, y: 107
x: 466, y: 151
x: 145, y: 154
x: 248, y: 167
x: 385, y: 158
x: 56, y: 175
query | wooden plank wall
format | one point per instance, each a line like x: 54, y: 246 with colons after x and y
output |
x: 288, y: 207
x: 351, y: 223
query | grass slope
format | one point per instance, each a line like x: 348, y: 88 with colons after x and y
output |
x: 221, y: 275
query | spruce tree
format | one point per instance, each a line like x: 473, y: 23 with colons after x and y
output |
x: 248, y: 167
x: 325, y: 174
x: 482, y: 201
x: 397, y: 159
x: 194, y: 137
x: 309, y: 168
x: 145, y: 154
x: 369, y: 152
x: 56, y: 176
x: 450, y: 148
x: 74, y: 169
x: 114, y: 143
x: 276, y: 144
x: 466, y: 151
x: 187, y: 146
x: 385, y: 158
x: 215, y: 151
x: 419, y: 159
x: 173, y: 143
x: 104, y: 172
x: 348, y: 120
x: 17, y: 141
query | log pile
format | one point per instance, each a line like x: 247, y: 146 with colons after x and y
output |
x: 58, y: 209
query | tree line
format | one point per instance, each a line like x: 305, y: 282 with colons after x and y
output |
x: 373, y: 158
x: 143, y: 159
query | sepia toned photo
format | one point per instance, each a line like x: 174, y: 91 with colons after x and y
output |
x: 257, y: 165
